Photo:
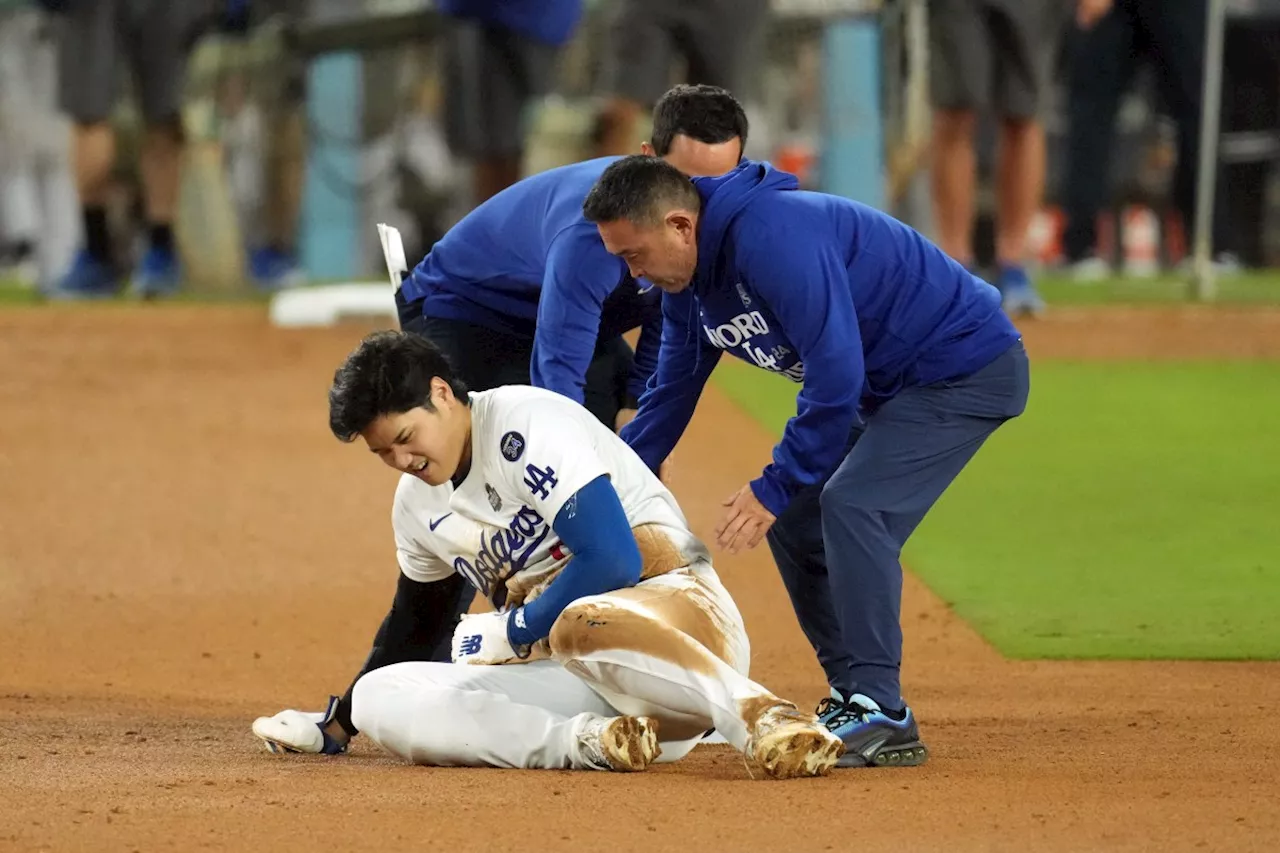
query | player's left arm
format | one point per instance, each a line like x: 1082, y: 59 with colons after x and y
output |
x: 801, y: 277
x: 561, y: 476
x: 579, y: 276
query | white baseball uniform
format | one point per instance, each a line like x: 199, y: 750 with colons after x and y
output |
x: 673, y: 647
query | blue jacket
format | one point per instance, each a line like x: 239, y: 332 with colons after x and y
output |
x: 550, y: 21
x: 527, y: 263
x: 832, y: 294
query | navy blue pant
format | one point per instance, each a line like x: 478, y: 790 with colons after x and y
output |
x: 838, y: 543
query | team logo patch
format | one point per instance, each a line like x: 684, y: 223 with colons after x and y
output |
x: 494, y: 500
x: 512, y: 446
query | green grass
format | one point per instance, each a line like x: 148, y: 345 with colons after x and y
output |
x: 1132, y: 512
x: 1250, y: 288
x: 14, y: 295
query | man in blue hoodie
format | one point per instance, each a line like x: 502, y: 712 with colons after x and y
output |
x: 906, y: 365
x: 522, y: 291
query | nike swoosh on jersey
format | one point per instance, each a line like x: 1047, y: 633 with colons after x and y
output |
x: 436, y: 522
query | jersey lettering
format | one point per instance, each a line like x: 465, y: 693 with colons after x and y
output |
x: 540, y: 480
x: 503, y: 553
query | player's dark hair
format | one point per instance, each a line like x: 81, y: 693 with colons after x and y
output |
x: 389, y: 373
x: 639, y: 189
x: 706, y: 113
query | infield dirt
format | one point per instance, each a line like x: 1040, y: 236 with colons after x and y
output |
x: 184, y: 546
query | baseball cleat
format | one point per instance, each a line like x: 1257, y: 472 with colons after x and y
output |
x: 872, y: 738
x: 789, y: 744
x: 299, y: 731
x: 289, y: 731
x: 621, y: 744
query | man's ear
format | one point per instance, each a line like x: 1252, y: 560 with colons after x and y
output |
x: 647, y: 150
x: 683, y: 221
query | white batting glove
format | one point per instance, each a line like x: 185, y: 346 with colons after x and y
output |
x: 481, y: 638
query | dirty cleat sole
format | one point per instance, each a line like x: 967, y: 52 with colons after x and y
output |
x: 788, y: 744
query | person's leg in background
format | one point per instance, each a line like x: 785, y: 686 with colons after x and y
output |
x: 638, y: 58
x: 280, y: 88
x: 492, y: 74
x: 61, y: 231
x: 1026, y: 35
x: 273, y: 258
x: 20, y: 223
x: 721, y: 41
x: 1176, y: 29
x: 1250, y: 103
x: 159, y: 40
x: 88, y: 69
x: 1101, y: 60
x: 960, y: 85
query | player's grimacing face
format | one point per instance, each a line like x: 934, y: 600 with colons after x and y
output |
x: 665, y: 254
x: 430, y: 445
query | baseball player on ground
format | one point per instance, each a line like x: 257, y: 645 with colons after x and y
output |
x: 906, y: 365
x: 612, y: 633
x: 522, y: 291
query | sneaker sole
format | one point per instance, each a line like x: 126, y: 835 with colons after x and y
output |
x: 898, y: 755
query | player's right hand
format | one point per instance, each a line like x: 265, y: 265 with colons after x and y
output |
x: 300, y: 731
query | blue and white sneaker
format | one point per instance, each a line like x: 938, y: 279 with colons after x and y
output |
x: 1019, y: 294
x: 158, y: 274
x: 871, y: 737
x: 271, y: 270
x: 88, y: 278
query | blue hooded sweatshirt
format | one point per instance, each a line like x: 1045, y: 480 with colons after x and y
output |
x: 549, y: 21
x: 830, y: 293
x: 527, y: 263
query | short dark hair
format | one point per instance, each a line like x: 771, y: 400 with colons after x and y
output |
x: 389, y: 373
x: 640, y: 189
x: 706, y: 113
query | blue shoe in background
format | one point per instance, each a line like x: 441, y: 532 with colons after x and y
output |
x: 88, y: 278
x: 270, y: 269
x: 158, y: 274
x: 871, y: 737
x: 1019, y: 295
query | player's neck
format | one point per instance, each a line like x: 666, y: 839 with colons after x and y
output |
x: 464, y: 461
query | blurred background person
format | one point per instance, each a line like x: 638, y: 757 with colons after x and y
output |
x: 1108, y: 42
x: 719, y: 42
x: 39, y: 226
x: 996, y: 55
x: 101, y: 40
x: 499, y: 59
x: 261, y: 108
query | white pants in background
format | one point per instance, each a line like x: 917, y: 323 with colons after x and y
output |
x: 38, y: 198
x: 672, y: 647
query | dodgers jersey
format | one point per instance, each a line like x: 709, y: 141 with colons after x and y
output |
x: 531, y: 451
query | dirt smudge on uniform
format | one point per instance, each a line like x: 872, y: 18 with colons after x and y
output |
x: 751, y: 709
x: 658, y: 554
x: 677, y: 626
